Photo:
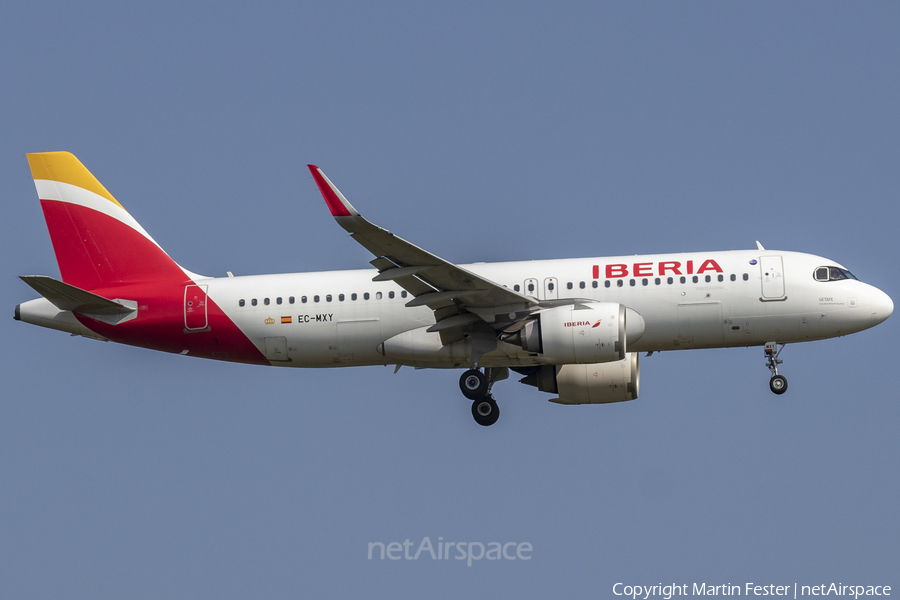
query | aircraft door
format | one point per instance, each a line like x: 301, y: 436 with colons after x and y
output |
x: 195, y: 308
x: 358, y: 340
x: 530, y: 288
x: 551, y: 288
x: 276, y: 349
x: 700, y: 325
x: 772, y: 277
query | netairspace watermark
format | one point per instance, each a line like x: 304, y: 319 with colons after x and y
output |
x: 795, y: 590
x: 468, y: 551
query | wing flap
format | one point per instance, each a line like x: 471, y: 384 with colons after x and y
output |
x: 390, y: 274
x: 436, y: 299
x: 454, y: 321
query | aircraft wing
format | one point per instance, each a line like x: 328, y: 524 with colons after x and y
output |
x: 457, y: 296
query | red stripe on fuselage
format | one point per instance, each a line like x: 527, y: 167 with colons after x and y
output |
x: 159, y: 325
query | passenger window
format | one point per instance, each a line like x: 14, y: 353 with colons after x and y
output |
x: 378, y: 295
x: 657, y: 281
x: 569, y: 286
x: 683, y: 280
x: 746, y: 277
x: 278, y: 300
x: 733, y: 277
x: 291, y: 300
x: 366, y: 296
x: 631, y: 282
x: 721, y: 278
x: 341, y: 297
x: 550, y: 286
x: 403, y: 294
x: 390, y: 294
x: 696, y: 279
x: 303, y: 299
x: 606, y: 283
x: 670, y: 281
x: 266, y: 301
x: 581, y: 285
x: 644, y: 281
x: 595, y: 284
x: 316, y: 298
x: 253, y: 302
x: 619, y: 283
x: 353, y: 296
x: 241, y: 302
x: 516, y: 287
x: 708, y: 279
x: 531, y: 287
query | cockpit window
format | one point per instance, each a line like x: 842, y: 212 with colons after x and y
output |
x: 832, y: 274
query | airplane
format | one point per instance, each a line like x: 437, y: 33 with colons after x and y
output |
x: 569, y: 327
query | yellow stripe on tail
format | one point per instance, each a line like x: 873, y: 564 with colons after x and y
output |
x: 65, y: 168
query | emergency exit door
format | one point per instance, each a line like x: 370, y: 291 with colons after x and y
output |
x: 551, y: 288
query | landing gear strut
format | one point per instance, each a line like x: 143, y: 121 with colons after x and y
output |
x: 778, y: 383
x: 476, y: 386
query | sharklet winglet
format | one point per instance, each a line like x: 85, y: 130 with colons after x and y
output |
x: 337, y: 203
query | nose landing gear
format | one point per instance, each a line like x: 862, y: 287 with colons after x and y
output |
x: 778, y: 383
x: 476, y: 386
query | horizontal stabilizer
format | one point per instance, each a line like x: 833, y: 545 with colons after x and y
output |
x: 68, y: 297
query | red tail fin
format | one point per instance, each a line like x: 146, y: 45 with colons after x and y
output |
x: 97, y: 243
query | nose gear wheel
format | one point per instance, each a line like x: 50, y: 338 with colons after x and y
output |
x: 778, y: 383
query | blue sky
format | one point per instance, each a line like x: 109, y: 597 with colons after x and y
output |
x: 483, y: 132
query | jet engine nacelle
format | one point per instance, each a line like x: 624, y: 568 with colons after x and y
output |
x: 586, y: 333
x: 599, y: 383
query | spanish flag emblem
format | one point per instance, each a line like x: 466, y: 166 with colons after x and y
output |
x: 285, y: 320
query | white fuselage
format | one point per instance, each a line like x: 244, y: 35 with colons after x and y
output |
x: 343, y: 318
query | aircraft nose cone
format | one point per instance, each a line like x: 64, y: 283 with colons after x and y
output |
x: 882, y: 306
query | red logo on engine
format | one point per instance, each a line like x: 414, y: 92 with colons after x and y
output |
x: 576, y: 323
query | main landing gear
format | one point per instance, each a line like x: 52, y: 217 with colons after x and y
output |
x: 476, y: 386
x: 778, y: 383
